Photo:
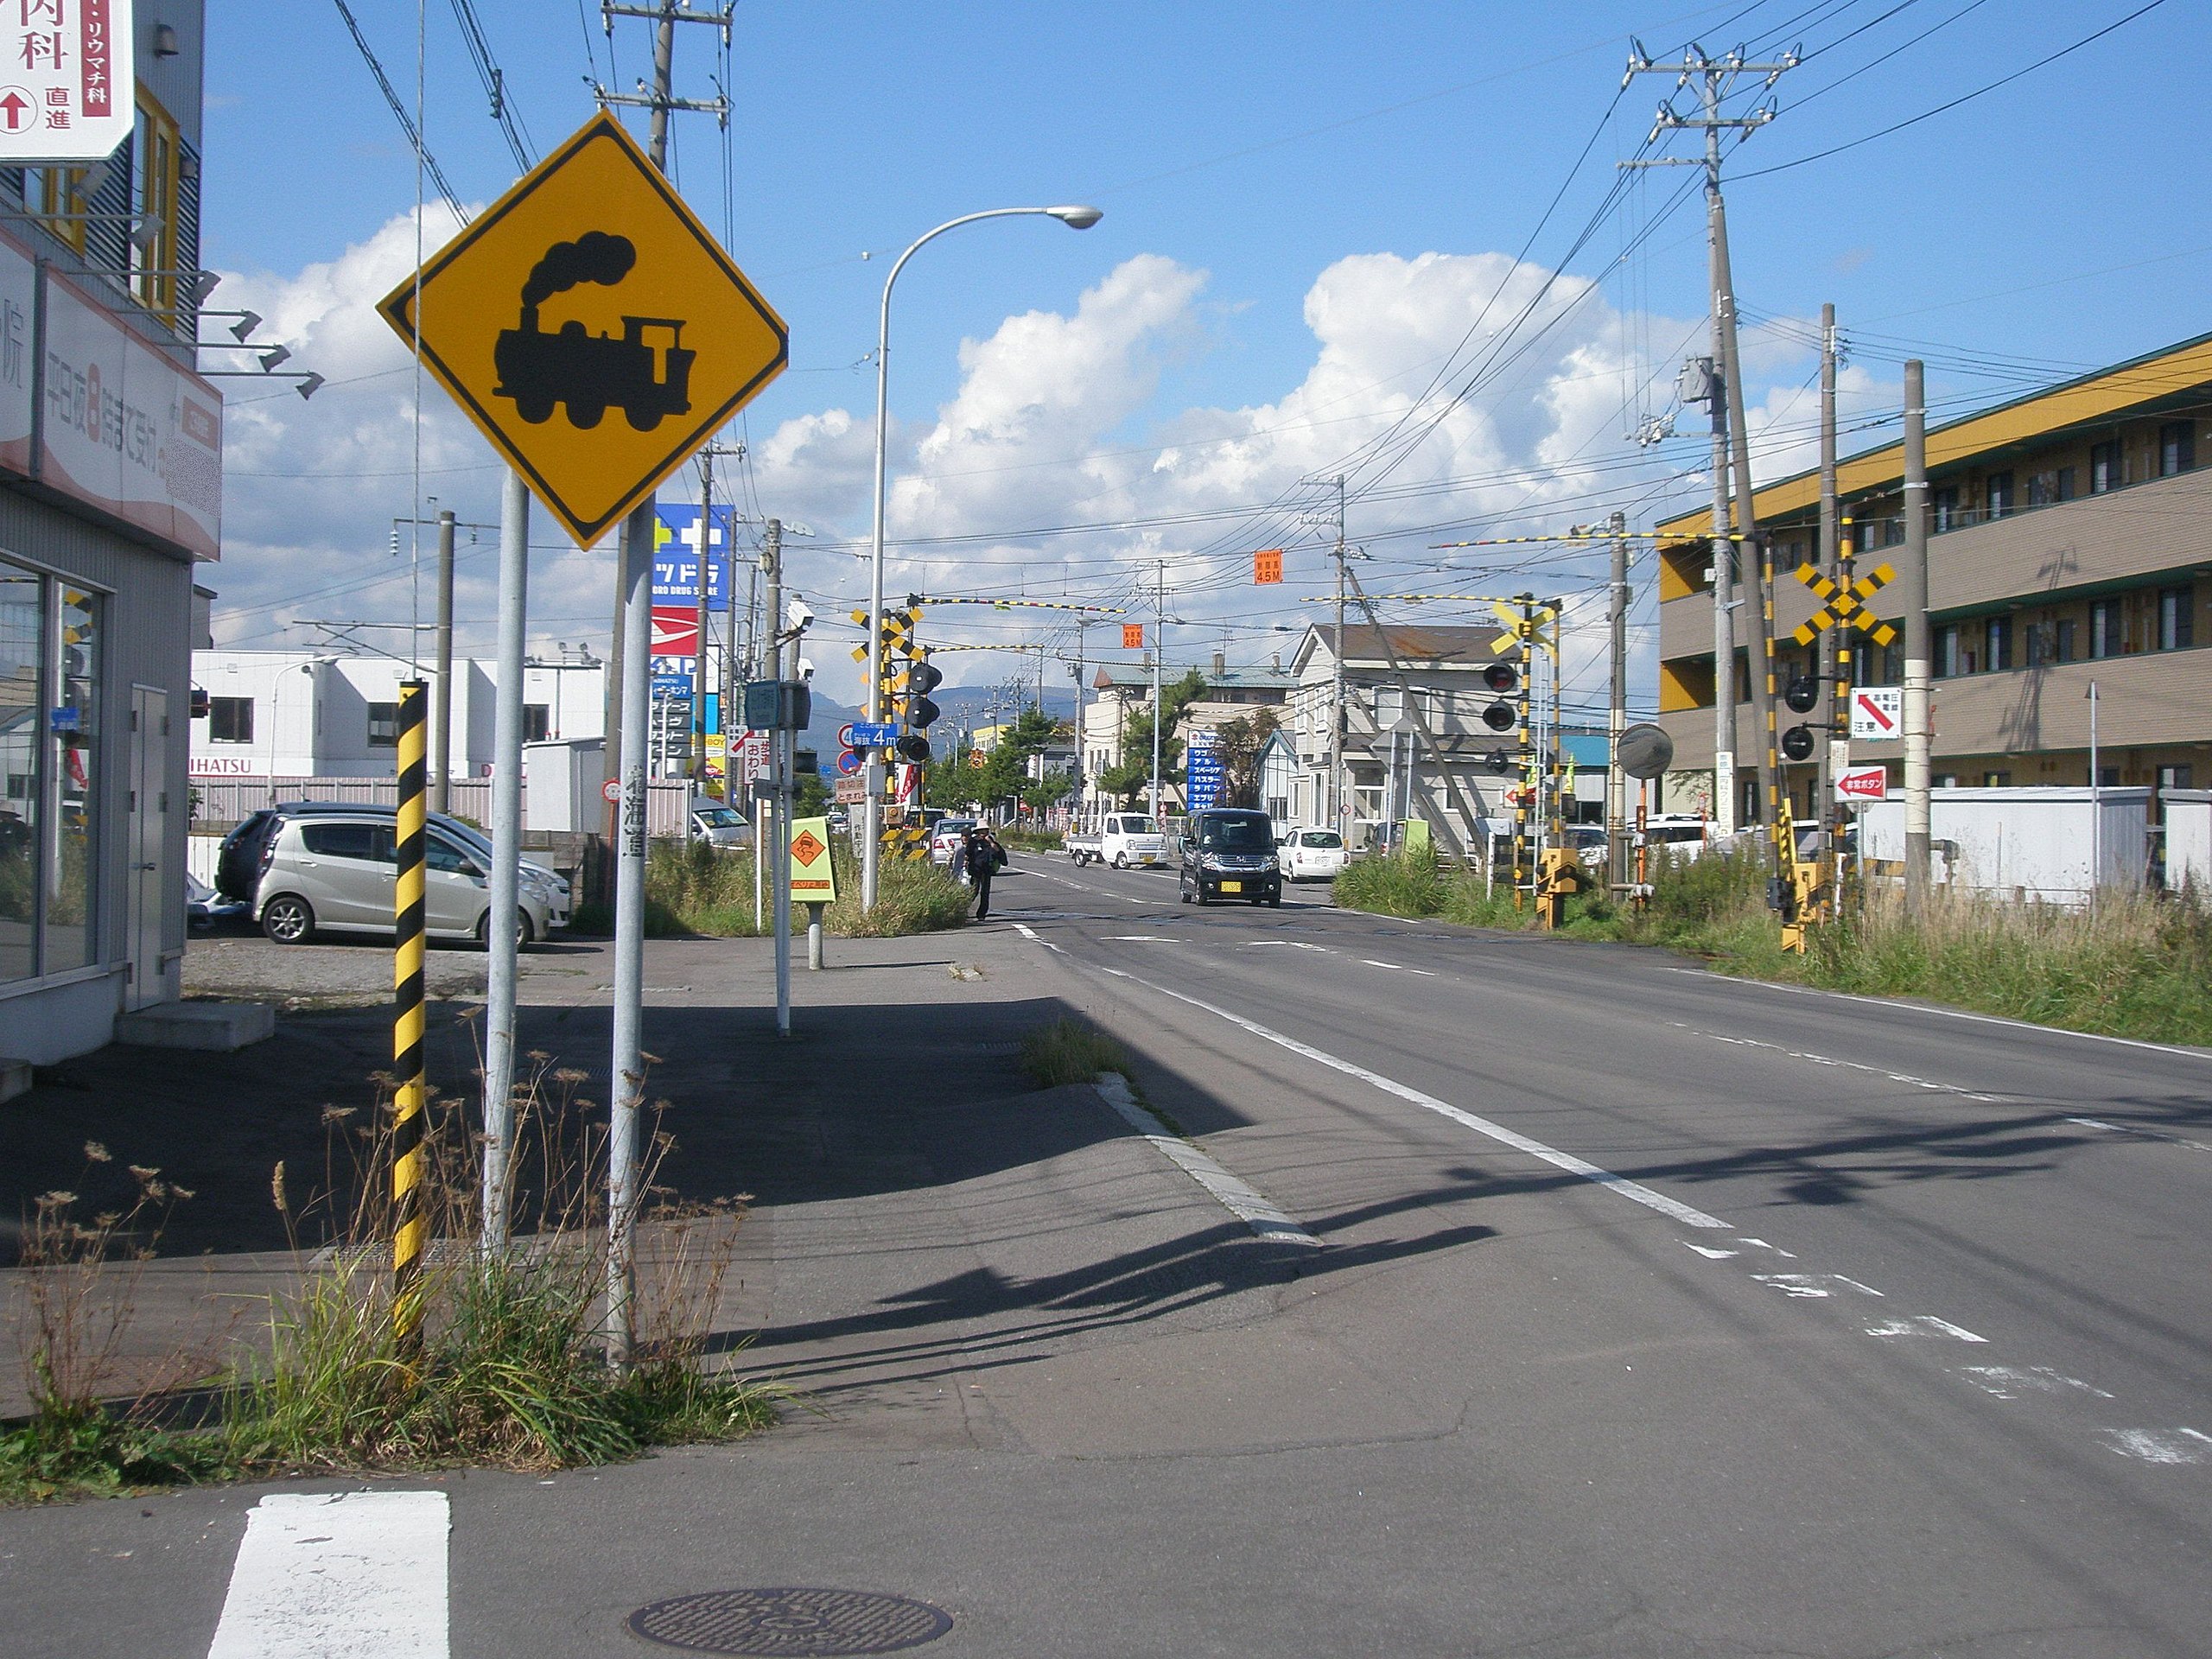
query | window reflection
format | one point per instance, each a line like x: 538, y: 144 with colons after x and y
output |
x: 21, y: 699
x: 74, y: 727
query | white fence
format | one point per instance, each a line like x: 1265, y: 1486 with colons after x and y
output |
x: 225, y: 801
x: 2033, y: 841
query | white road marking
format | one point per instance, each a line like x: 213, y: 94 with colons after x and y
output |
x: 1589, y: 1171
x: 1031, y: 933
x: 1234, y: 1195
x: 2009, y: 1381
x: 1302, y: 944
x: 2146, y: 1135
x: 1921, y: 1324
x: 1787, y: 1256
x: 1710, y: 1255
x: 2159, y: 1445
x: 1812, y: 1284
x: 1895, y: 1006
x: 338, y: 1575
x: 1849, y: 1065
x: 1139, y: 938
x: 1398, y: 968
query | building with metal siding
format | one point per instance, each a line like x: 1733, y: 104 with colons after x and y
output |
x: 2070, y: 542
x: 110, y: 498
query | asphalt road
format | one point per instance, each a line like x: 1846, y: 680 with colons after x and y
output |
x: 1647, y: 1313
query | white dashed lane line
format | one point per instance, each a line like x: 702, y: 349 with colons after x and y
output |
x: 1848, y: 1065
x: 1397, y: 968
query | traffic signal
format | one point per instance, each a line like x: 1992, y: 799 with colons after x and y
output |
x: 1803, y: 691
x: 1502, y: 678
x: 1797, y: 743
x: 913, y: 747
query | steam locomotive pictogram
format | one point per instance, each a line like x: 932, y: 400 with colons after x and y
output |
x: 646, y: 377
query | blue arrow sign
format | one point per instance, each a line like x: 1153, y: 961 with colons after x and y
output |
x: 874, y: 733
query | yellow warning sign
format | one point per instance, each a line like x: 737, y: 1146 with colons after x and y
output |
x: 592, y: 328
x: 814, y: 872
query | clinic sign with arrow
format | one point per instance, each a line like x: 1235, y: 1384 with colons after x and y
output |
x: 592, y: 328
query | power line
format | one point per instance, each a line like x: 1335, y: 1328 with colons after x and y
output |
x: 488, y: 72
x: 1964, y: 98
x: 399, y: 111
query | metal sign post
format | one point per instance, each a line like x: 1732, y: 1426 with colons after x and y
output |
x: 501, y: 943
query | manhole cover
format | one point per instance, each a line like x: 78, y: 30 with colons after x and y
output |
x: 790, y: 1622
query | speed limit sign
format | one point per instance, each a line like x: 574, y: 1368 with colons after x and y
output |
x: 611, y: 792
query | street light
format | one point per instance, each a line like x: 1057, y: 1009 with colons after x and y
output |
x: 1078, y: 218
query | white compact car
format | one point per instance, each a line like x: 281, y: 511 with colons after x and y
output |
x: 1310, y: 854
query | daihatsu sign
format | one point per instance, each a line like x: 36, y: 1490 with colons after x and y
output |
x: 68, y: 80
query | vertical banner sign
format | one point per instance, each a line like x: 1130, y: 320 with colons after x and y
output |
x: 1267, y: 566
x: 408, y: 1122
x: 814, y: 876
x: 1132, y: 636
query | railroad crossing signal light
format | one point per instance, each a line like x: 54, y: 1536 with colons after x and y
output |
x: 913, y: 747
x: 924, y: 678
x: 919, y: 712
x: 1499, y: 762
x: 1797, y: 743
x: 1503, y: 678
x: 1802, y: 693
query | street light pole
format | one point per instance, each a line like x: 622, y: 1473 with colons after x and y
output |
x: 1076, y: 218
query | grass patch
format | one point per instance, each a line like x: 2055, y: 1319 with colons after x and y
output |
x: 2131, y: 965
x: 1030, y: 841
x: 506, y: 1367
x: 695, y: 891
x: 1069, y: 1050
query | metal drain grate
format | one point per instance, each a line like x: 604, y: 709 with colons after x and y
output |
x: 796, y: 1622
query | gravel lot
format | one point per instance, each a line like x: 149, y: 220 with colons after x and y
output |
x: 295, y: 976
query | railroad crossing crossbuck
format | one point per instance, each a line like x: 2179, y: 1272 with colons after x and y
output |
x: 1845, y: 608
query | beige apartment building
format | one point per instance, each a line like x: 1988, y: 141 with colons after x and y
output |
x: 2070, y: 542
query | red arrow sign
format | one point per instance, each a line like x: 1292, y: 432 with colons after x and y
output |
x: 1872, y: 710
x: 15, y: 110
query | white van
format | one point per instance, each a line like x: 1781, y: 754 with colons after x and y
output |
x: 1129, y: 838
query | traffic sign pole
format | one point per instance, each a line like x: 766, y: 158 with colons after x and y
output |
x: 627, y: 1082
x: 507, y: 861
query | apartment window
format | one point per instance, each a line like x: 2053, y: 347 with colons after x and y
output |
x: 2104, y: 467
x: 1996, y: 779
x: 230, y: 720
x: 2063, y: 639
x: 537, y: 722
x: 2038, y: 641
x: 1947, y: 508
x: 1997, y: 489
x: 2174, y: 778
x: 1998, y: 635
x: 2177, y: 448
x: 2107, y: 778
x: 2063, y: 484
x: 384, y: 725
x: 1947, y: 652
x: 2176, y: 630
x: 2043, y: 488
x: 2104, y: 629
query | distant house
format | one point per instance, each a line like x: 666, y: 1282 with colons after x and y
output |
x: 1124, y: 690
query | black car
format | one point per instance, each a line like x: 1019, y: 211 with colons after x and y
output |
x: 1229, y: 853
x: 245, y: 852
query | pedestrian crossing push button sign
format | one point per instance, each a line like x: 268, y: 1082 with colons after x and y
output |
x: 592, y: 328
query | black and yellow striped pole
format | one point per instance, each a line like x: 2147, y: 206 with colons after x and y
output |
x: 1526, y: 632
x: 407, y: 1155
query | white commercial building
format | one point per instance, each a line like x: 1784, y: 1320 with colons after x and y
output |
x: 305, y: 713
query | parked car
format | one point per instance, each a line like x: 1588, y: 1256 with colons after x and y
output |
x: 720, y: 826
x: 204, y: 906
x: 1229, y: 853
x: 1310, y: 854
x: 245, y: 855
x: 335, y: 872
x: 945, y: 840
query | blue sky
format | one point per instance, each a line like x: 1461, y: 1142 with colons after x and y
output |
x: 1260, y: 167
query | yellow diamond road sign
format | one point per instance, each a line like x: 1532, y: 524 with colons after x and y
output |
x: 592, y: 328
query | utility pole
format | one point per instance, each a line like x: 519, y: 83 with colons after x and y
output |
x: 1830, y: 566
x: 1724, y: 616
x: 780, y: 744
x: 441, y: 709
x: 625, y: 743
x: 1337, y: 818
x: 500, y: 944
x: 1713, y: 78
x: 1916, y: 663
x: 1616, y: 831
x: 1159, y: 618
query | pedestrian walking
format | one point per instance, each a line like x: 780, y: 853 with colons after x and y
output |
x: 983, y: 858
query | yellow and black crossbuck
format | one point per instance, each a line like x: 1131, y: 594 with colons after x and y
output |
x: 1845, y: 608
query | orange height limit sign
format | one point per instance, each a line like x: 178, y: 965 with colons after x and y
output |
x: 592, y: 328
x: 1267, y: 566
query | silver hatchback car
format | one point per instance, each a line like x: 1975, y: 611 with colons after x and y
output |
x: 338, y: 873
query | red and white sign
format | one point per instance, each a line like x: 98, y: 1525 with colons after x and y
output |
x: 676, y: 630
x: 611, y: 792
x: 906, y: 784
x: 69, y: 72
x: 1863, y: 783
x: 1877, y: 713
